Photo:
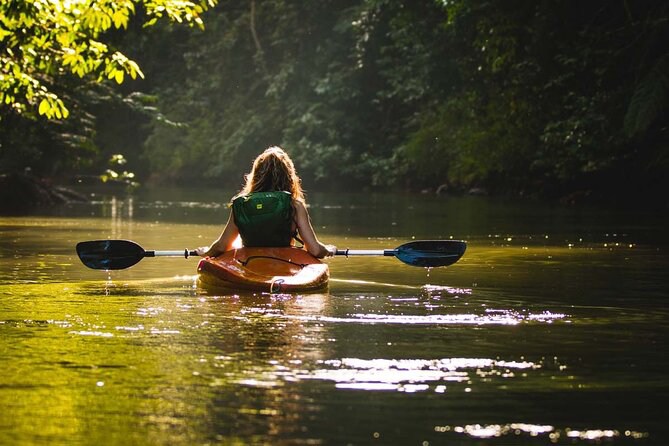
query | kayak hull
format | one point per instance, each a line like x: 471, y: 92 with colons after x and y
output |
x: 264, y: 269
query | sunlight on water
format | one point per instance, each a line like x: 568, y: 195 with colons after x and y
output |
x: 93, y: 333
x: 402, y: 375
x: 552, y: 317
x: 496, y: 317
x: 450, y: 290
x: 533, y: 430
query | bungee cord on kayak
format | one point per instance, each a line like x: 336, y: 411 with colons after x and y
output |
x: 279, y: 259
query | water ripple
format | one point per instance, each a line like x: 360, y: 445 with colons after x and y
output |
x: 535, y: 430
x: 491, y: 317
x: 402, y: 375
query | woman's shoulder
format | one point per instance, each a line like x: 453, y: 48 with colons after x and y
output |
x: 299, y: 202
x: 299, y: 205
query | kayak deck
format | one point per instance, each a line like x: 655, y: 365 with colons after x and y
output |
x: 264, y: 269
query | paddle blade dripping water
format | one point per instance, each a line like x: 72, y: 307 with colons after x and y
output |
x: 109, y: 254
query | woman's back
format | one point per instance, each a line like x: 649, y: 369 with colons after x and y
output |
x: 264, y: 218
x: 270, y: 209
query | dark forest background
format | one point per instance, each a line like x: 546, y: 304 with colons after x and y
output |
x: 538, y: 98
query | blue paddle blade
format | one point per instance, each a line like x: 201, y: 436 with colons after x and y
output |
x: 109, y: 254
x: 431, y: 253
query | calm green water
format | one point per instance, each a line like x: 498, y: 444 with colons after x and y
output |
x: 553, y: 328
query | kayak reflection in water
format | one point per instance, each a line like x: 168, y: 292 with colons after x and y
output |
x: 270, y: 210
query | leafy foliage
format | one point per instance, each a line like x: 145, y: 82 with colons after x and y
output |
x: 44, y: 39
x: 524, y: 97
x: 649, y: 99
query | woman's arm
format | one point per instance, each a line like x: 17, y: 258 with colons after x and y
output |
x: 224, y: 241
x: 315, y: 248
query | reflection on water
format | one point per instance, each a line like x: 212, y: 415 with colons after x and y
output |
x: 402, y: 375
x: 550, y: 329
x: 496, y: 317
x: 519, y: 429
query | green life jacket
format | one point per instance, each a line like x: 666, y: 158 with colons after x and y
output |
x: 264, y: 218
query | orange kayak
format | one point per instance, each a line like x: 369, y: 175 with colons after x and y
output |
x: 264, y: 269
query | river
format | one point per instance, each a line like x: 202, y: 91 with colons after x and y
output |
x: 550, y: 330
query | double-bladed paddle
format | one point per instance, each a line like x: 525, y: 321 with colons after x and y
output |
x: 121, y: 254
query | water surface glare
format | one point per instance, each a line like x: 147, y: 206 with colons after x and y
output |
x: 551, y: 330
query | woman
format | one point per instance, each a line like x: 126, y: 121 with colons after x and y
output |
x: 270, y: 209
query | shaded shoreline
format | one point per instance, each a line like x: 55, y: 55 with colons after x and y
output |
x: 23, y: 192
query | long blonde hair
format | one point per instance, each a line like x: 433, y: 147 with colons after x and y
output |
x: 273, y: 170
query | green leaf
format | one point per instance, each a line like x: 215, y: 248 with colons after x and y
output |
x: 43, y: 106
x: 118, y: 76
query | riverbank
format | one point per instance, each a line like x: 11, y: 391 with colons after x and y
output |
x: 21, y: 192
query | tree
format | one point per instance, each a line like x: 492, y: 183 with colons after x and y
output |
x: 42, y: 40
